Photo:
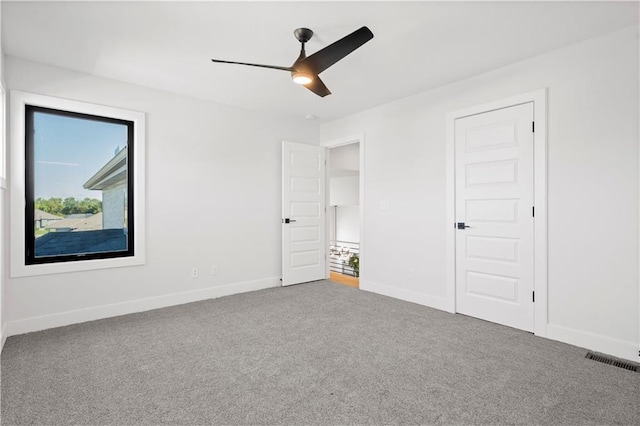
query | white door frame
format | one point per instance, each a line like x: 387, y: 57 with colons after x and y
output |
x: 539, y: 99
x: 334, y: 144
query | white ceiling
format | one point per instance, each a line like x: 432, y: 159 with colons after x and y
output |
x: 417, y: 45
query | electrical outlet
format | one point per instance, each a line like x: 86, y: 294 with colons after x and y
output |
x: 412, y: 273
x: 194, y: 272
x: 214, y: 270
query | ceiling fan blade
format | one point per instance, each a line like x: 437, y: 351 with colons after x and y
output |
x: 318, y: 87
x: 273, y: 67
x: 323, y: 59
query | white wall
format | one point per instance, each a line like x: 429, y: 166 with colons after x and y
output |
x: 344, y: 191
x: 344, y: 160
x: 4, y: 233
x: 592, y: 187
x: 348, y: 224
x: 3, y: 263
x: 213, y: 197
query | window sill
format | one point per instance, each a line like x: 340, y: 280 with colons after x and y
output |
x: 79, y: 266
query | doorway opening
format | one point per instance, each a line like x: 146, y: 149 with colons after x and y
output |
x: 344, y: 212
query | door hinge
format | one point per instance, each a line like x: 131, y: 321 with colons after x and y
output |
x: 533, y: 127
x: 533, y: 211
x: 533, y: 296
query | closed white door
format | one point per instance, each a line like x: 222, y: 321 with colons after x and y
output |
x: 303, y: 213
x: 494, y: 216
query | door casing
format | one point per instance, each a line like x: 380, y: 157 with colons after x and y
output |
x: 539, y: 99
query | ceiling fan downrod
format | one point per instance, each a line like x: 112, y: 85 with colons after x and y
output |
x: 298, y: 74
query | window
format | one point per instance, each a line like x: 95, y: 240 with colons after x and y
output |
x: 80, y: 169
x: 77, y: 175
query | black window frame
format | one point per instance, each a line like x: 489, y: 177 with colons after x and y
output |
x: 30, y: 258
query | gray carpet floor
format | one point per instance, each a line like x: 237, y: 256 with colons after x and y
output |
x: 317, y: 353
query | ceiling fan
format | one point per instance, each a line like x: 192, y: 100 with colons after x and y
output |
x: 305, y: 69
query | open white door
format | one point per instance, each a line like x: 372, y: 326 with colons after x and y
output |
x: 303, y: 213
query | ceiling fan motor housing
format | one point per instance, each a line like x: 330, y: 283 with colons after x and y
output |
x: 303, y: 34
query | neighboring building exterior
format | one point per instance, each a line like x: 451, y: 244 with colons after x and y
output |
x: 43, y: 219
x: 111, y: 179
x: 61, y: 243
x: 77, y: 222
x: 80, y: 233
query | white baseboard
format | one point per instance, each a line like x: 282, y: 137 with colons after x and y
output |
x: 594, y: 342
x: 403, y: 294
x: 3, y: 336
x: 44, y: 322
x: 619, y: 348
x: 591, y: 341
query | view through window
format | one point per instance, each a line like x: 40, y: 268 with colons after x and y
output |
x: 78, y: 186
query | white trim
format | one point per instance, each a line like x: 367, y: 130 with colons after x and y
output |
x: 335, y: 143
x: 4, y: 247
x: 540, y: 223
x: 404, y: 294
x: 450, y: 249
x: 539, y: 99
x: 594, y: 342
x: 44, y: 322
x: 3, y: 336
x: 18, y: 100
x: 3, y: 135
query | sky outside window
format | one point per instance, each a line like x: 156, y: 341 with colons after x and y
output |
x: 68, y: 151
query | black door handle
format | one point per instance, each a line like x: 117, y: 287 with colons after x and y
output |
x: 461, y: 225
x: 287, y: 220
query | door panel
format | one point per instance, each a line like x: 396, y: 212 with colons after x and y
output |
x: 494, y: 198
x: 492, y: 286
x: 303, y: 198
x: 498, y: 211
x: 494, y: 249
x: 492, y: 173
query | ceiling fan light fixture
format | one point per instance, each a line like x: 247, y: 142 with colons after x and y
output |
x: 301, y: 77
x: 306, y: 69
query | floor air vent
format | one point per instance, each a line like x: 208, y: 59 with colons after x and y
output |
x: 613, y: 361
